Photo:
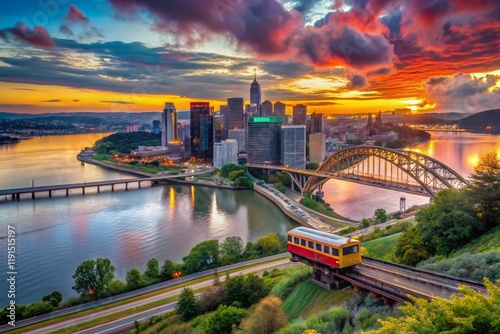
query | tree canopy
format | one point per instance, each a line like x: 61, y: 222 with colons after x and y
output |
x: 472, y: 313
x: 203, y: 256
x: 93, y: 277
x: 485, y: 189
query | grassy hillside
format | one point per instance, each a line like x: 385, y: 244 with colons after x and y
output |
x: 308, y: 299
x: 382, y: 248
x: 486, y: 242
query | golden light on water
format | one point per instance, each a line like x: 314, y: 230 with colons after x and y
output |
x: 192, y: 195
x: 172, y: 197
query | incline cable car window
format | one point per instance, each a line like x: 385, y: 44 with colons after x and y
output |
x: 318, y: 247
x: 335, y: 251
x: 302, y: 242
x: 351, y: 250
x: 310, y: 244
x: 295, y: 240
x: 326, y: 249
x: 290, y: 238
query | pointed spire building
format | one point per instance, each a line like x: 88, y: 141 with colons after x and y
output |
x: 255, y: 96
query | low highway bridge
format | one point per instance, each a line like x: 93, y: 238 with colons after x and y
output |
x: 405, y: 171
x: 15, y: 194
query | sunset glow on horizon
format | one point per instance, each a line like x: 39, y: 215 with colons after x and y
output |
x: 334, y: 56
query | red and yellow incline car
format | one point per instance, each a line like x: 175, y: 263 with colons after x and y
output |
x: 329, y: 249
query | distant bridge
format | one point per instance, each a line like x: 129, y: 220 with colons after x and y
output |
x: 404, y: 171
x: 15, y: 194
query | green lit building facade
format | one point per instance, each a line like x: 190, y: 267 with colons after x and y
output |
x: 264, y: 140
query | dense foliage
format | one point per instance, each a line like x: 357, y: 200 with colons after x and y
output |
x: 472, y: 313
x: 124, y: 142
x: 93, y: 277
x: 456, y: 217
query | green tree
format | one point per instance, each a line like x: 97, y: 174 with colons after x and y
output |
x: 236, y: 174
x: 232, y: 293
x: 37, y: 308
x: 410, y: 249
x: 380, y: 215
x: 93, y: 277
x: 54, y: 298
x: 472, y: 313
x: 281, y: 188
x: 203, y: 256
x: 222, y: 320
x: 254, y: 289
x: 187, y: 305
x: 228, y: 168
x: 485, y: 189
x: 244, y: 181
x: 152, y: 273
x: 134, y: 279
x: 168, y: 269
x: 365, y: 222
x: 448, y: 223
x: 285, y: 179
x: 270, y: 244
x: 312, y: 165
x: 231, y: 250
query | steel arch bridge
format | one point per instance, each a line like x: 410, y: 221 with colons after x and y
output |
x: 406, y: 171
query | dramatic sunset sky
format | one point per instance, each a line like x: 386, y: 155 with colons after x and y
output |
x: 335, y: 56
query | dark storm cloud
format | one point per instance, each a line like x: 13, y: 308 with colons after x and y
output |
x: 286, y: 69
x: 53, y: 100
x: 436, y: 80
x: 36, y: 36
x: 380, y: 71
x: 131, y: 68
x: 261, y: 25
x: 356, y: 81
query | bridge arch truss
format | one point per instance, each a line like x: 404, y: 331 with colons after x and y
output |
x: 426, y: 175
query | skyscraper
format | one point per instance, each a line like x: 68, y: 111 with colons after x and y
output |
x: 317, y: 123
x: 266, y: 108
x: 225, y: 152
x: 197, y: 110
x: 168, y: 124
x: 264, y: 140
x: 299, y: 114
x: 280, y: 111
x: 317, y: 147
x: 206, y: 137
x: 255, y: 96
x: 293, y: 146
x: 235, y: 113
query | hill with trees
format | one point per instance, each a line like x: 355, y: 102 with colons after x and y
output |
x: 485, y: 121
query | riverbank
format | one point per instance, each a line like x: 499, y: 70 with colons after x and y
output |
x: 293, y: 209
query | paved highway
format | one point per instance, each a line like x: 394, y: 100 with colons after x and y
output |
x: 147, y: 314
x: 138, y: 292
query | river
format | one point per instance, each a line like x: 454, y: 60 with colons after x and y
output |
x: 55, y: 235
x: 130, y: 227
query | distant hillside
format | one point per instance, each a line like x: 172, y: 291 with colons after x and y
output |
x: 420, y: 119
x: 449, y: 116
x: 485, y: 121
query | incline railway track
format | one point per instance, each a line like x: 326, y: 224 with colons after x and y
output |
x: 397, y: 281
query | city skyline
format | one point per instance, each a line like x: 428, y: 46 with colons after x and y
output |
x: 341, y: 57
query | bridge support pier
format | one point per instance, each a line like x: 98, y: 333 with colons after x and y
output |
x: 325, y: 278
x: 50, y: 193
x: 126, y: 186
x: 83, y: 190
x: 33, y: 195
x: 67, y: 192
x: 112, y: 187
x: 139, y: 184
x: 98, y: 189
